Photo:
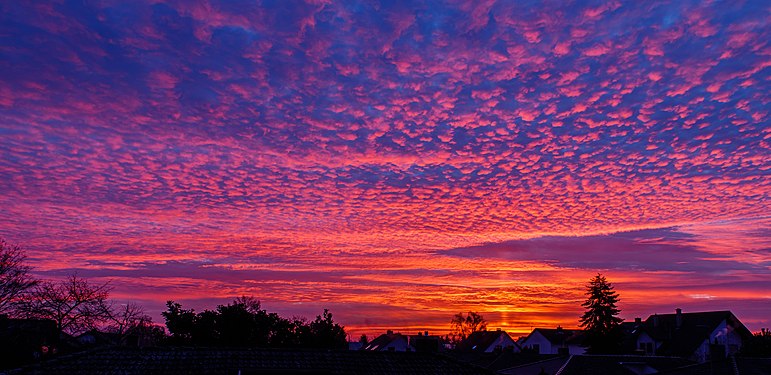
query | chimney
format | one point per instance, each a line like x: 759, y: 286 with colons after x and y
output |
x: 425, y: 334
x: 498, y: 329
x: 678, y: 317
x: 637, y: 320
x: 389, y: 332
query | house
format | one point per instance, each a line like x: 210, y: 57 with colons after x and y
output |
x: 554, y: 341
x: 629, y: 332
x: 390, y: 341
x: 26, y: 340
x: 425, y: 343
x: 488, y: 341
x: 699, y: 336
x: 94, y: 337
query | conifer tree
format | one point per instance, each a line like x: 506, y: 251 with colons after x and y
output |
x: 600, y: 320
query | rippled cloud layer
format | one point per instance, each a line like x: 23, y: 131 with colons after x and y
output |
x: 398, y: 161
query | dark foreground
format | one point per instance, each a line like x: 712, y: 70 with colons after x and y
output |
x: 203, y: 361
x: 211, y: 361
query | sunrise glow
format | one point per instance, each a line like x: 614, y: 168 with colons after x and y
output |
x: 395, y: 163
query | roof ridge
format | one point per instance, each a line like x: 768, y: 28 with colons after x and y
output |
x: 694, y: 312
x: 533, y: 363
x: 564, y: 365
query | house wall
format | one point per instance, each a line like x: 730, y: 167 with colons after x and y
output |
x: 503, y: 341
x: 644, y: 339
x: 576, y: 350
x: 725, y: 335
x: 702, y: 353
x: 544, y: 346
x: 399, y: 345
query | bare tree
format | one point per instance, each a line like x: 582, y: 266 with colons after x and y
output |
x: 15, y: 279
x: 129, y: 319
x: 74, y: 304
x: 123, y: 318
x: 463, y: 326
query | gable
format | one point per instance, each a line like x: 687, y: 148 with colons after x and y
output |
x: 486, y: 341
x: 535, y: 337
x: 502, y: 340
x: 687, y: 333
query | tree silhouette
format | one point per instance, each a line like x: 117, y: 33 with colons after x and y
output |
x: 600, y: 320
x: 180, y: 322
x: 759, y: 345
x: 244, y: 323
x: 15, y: 279
x: 325, y: 333
x: 129, y: 320
x: 74, y: 304
x: 463, y: 326
x: 123, y: 317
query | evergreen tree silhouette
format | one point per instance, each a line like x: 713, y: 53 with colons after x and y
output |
x: 600, y: 321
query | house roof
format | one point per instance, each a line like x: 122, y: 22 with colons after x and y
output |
x: 630, y: 331
x: 97, y: 337
x: 548, y: 365
x: 497, y: 361
x: 211, y: 361
x: 696, y: 327
x: 383, y: 341
x: 481, y: 340
x: 508, y: 360
x: 559, y: 336
x: 731, y: 365
x: 619, y: 364
x: 10, y: 326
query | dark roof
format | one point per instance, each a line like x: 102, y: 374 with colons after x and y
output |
x: 10, y: 327
x: 481, y: 340
x: 384, y: 340
x: 550, y: 366
x: 247, y: 361
x: 693, y: 330
x: 732, y: 365
x: 559, y: 336
x: 630, y: 327
x: 620, y: 364
x: 629, y: 332
x: 96, y: 337
x: 498, y: 360
x: 24, y: 340
x: 508, y: 360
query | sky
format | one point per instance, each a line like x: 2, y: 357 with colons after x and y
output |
x: 396, y: 162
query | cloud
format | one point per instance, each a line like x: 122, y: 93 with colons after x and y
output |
x: 294, y: 132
